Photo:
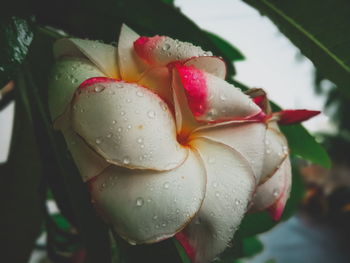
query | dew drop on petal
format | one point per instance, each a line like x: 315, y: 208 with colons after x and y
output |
x: 140, y: 140
x: 275, y: 192
x: 98, y: 141
x: 139, y: 93
x: 126, y: 160
x: 222, y: 97
x: 114, y: 122
x: 151, y: 114
x: 166, y: 46
x: 109, y: 135
x: 155, y: 217
x: 139, y: 201
x: 99, y: 88
x: 237, y: 202
x: 166, y: 185
x: 217, y: 194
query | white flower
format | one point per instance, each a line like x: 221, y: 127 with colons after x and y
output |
x: 165, y: 144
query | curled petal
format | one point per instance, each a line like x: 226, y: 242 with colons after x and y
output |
x: 212, y: 99
x: 127, y: 124
x: 161, y: 50
x: 229, y: 188
x: 131, y: 67
x: 287, y: 117
x: 276, y: 151
x: 259, y: 97
x: 245, y: 138
x: 159, y: 81
x: 273, y: 194
x: 102, y: 55
x: 145, y: 206
x: 87, y: 161
x: 213, y: 65
x: 67, y: 74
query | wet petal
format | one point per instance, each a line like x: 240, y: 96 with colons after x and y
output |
x: 87, y: 161
x: 274, y: 193
x: 213, y: 65
x: 66, y: 77
x: 230, y: 184
x: 276, y: 151
x: 159, y: 81
x: 131, y: 67
x: 127, y: 124
x: 102, y: 55
x: 161, y: 50
x: 246, y: 138
x: 149, y: 206
x: 212, y: 99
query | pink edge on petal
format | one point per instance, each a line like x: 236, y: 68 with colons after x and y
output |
x: 145, y: 46
x: 276, y: 210
x: 183, y: 240
x: 95, y: 80
x: 287, y: 117
x: 196, y: 90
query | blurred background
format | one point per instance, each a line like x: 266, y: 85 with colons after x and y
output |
x: 319, y: 230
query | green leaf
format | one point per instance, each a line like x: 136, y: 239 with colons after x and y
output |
x: 15, y: 37
x: 302, y: 144
x: 231, y: 52
x: 22, y: 189
x: 252, y: 246
x: 320, y: 29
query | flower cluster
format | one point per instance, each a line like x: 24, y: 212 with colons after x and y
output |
x: 165, y: 144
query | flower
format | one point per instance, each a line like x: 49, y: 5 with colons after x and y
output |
x: 165, y: 144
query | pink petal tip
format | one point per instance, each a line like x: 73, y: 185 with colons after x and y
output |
x: 287, y: 117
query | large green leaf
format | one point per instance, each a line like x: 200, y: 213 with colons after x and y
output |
x: 15, y: 37
x: 22, y: 189
x: 319, y: 28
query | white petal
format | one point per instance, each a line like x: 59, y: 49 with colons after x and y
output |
x: 276, y: 151
x: 159, y: 81
x: 213, y: 65
x: 161, y: 50
x: 66, y: 77
x: 277, y: 188
x: 246, y: 138
x: 230, y: 184
x: 87, y: 161
x: 149, y: 206
x: 102, y: 55
x: 128, y: 125
x: 131, y: 67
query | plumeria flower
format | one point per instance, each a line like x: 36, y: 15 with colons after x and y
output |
x: 166, y: 146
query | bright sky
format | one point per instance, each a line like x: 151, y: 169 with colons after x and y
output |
x: 272, y: 62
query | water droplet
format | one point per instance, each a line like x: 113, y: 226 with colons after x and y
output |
x: 217, y: 194
x: 122, y: 113
x: 103, y: 185
x: 164, y: 225
x: 149, y: 200
x: 111, y: 92
x: 151, y: 114
x: 177, y: 211
x: 222, y: 97
x: 268, y: 151
x: 126, y: 160
x: 139, y: 93
x: 142, y: 146
x: 129, y: 126
x: 120, y: 129
x: 139, y: 140
x: 98, y: 141
x: 163, y: 105
x: 275, y: 192
x: 114, y: 122
x: 155, y: 217
x: 128, y: 100
x: 166, y: 46
x: 74, y: 80
x: 109, y: 135
x: 99, y: 88
x: 139, y: 201
x: 237, y: 202
x: 166, y: 185
x: 215, y: 184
